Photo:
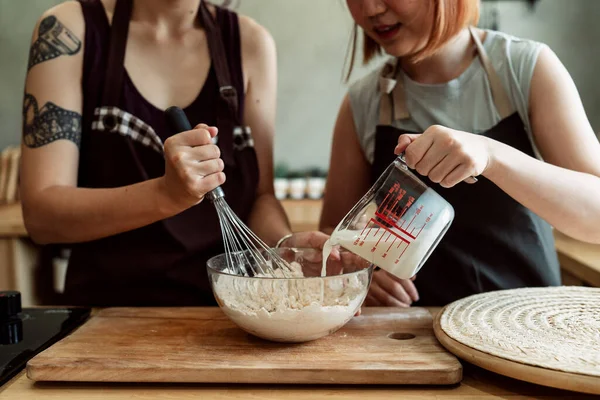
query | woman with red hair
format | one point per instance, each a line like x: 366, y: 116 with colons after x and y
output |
x: 460, y: 102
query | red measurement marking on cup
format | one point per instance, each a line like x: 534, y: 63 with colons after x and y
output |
x: 371, y: 228
x: 397, y: 260
x: 392, y: 223
x: 391, y: 244
x: 403, y: 251
x: 426, y: 222
x: 388, y: 237
x: 415, y: 216
x: 395, y: 194
x: 392, y: 211
x: 385, y: 228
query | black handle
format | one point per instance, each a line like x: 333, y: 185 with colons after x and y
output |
x: 177, y: 119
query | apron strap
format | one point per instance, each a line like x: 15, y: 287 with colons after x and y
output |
x: 393, y: 100
x: 227, y: 108
x: 115, y: 67
x: 501, y: 99
x: 119, y: 29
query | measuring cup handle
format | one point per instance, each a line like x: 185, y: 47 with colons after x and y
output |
x: 470, y: 179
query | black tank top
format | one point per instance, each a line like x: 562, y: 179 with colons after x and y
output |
x: 163, y: 263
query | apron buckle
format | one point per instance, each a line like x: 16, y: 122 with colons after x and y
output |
x: 227, y: 92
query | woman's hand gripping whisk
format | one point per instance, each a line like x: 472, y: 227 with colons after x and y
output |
x: 246, y: 253
x: 193, y: 166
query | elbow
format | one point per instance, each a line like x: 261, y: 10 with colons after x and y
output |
x: 595, y: 239
x: 586, y: 233
x: 39, y: 231
x: 36, y: 232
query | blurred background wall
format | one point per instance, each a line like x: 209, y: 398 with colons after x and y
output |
x: 312, y: 37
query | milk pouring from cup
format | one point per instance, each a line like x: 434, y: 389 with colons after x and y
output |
x: 397, y: 223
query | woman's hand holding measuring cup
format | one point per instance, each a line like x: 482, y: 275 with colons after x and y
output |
x: 193, y: 166
x: 445, y: 155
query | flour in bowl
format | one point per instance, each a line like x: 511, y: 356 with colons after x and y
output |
x: 291, y: 310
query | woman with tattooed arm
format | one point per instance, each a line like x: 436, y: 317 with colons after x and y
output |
x: 103, y: 175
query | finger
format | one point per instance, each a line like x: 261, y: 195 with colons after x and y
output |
x: 417, y: 150
x: 432, y: 157
x: 207, y: 183
x: 385, y: 298
x: 203, y: 153
x: 457, y: 175
x: 335, y: 254
x: 404, y: 141
x: 314, y: 240
x: 213, y: 130
x: 394, y: 289
x: 410, y: 289
x: 351, y: 260
x: 388, y: 275
x: 207, y: 167
x: 371, y: 301
x: 334, y: 267
x: 413, y: 278
x: 442, y: 169
x: 198, y: 186
x: 195, y: 137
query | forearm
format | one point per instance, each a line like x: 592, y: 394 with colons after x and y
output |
x: 268, y: 219
x: 566, y: 199
x: 64, y: 214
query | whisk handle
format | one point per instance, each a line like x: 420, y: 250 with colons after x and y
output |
x: 179, y: 122
x: 177, y: 119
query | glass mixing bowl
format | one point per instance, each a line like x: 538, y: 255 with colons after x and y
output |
x: 301, y: 307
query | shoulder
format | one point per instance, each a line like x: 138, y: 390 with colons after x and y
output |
x: 518, y: 53
x: 67, y: 14
x: 364, y: 92
x: 363, y: 101
x: 256, y: 40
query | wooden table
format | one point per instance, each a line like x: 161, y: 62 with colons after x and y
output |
x: 477, y: 384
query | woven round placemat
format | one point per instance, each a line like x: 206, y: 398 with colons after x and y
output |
x: 557, y: 328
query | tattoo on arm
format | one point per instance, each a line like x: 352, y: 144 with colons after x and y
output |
x: 50, y: 123
x: 54, y: 40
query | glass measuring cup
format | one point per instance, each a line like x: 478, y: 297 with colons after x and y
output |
x: 397, y: 223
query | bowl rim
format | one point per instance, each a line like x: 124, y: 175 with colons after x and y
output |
x: 346, y: 274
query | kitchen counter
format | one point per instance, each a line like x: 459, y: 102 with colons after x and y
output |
x: 11, y: 221
x: 477, y: 384
x: 578, y: 259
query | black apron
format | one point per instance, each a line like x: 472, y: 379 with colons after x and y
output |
x: 494, y: 242
x: 164, y: 263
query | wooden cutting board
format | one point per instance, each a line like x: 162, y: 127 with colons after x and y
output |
x: 382, y: 346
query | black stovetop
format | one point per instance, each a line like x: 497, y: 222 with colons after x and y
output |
x: 32, y: 330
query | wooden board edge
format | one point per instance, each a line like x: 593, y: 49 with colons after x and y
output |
x: 523, y: 372
x: 47, y: 373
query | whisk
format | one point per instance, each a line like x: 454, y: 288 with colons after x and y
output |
x: 246, y: 253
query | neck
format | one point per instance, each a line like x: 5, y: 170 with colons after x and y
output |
x: 172, y: 15
x: 446, y: 64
